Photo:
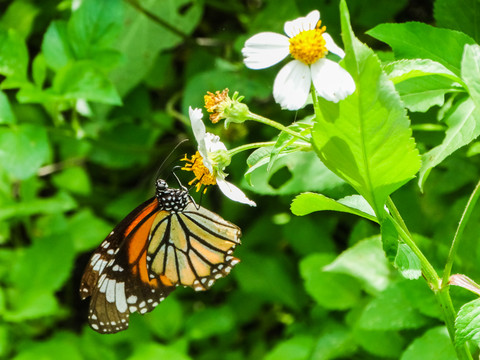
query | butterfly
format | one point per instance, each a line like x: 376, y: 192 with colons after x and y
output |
x: 165, y: 242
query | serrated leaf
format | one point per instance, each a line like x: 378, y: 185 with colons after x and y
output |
x: 462, y: 16
x: 402, y: 70
x: 434, y: 344
x: 413, y: 40
x: 307, y: 203
x: 23, y: 149
x: 408, y: 263
x: 467, y: 323
x: 365, y: 261
x: 463, y: 127
x: 365, y: 139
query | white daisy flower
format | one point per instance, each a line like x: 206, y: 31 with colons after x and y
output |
x: 308, y: 43
x: 210, y: 161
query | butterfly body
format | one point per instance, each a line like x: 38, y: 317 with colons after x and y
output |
x: 165, y: 242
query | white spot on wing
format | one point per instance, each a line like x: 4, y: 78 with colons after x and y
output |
x: 120, y: 297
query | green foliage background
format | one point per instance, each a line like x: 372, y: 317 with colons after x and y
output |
x: 93, y: 100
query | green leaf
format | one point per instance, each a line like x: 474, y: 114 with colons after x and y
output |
x: 365, y: 139
x: 471, y: 72
x: 365, y: 261
x: 6, y: 114
x: 55, y: 45
x: 384, y: 344
x: 389, y: 238
x: 39, y: 70
x: 408, y: 263
x: 460, y: 15
x: 413, y: 40
x: 422, y: 83
x: 268, y: 278
x: 94, y: 26
x: 55, y: 253
x: 124, y: 145
x: 20, y: 16
x: 299, y: 347
x: 23, y: 149
x: 83, y: 80
x: 32, y: 306
x: 87, y: 230
x: 74, y: 179
x: 61, y: 202
x: 13, y: 57
x: 392, y: 309
x: 335, y: 291
x: 62, y: 345
x: 291, y: 173
x: 144, y: 39
x: 467, y: 323
x: 168, y: 320
x: 156, y: 351
x: 434, y: 344
x: 336, y: 342
x: 210, y: 322
x: 463, y: 127
x: 307, y: 203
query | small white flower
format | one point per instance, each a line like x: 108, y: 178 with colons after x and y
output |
x: 308, y: 43
x: 215, y: 158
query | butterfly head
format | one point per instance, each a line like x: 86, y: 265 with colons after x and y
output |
x: 174, y: 200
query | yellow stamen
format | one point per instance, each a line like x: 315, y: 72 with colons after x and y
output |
x: 309, y: 46
x: 201, y: 172
x: 214, y: 102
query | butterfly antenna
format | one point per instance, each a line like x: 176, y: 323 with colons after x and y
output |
x: 168, y: 156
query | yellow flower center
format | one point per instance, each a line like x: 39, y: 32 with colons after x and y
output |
x: 309, y: 46
x: 201, y: 172
x: 215, y: 103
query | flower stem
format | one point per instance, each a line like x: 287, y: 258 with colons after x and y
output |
x: 458, y: 234
x: 276, y: 125
x: 245, y: 147
x: 442, y: 293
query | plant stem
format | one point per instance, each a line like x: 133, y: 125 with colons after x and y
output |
x: 442, y: 293
x: 245, y: 147
x: 458, y: 234
x: 276, y: 125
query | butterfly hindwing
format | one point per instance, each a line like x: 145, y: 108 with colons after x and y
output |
x: 193, y: 247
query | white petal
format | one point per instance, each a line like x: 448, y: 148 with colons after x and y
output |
x: 199, y: 130
x: 332, y: 47
x: 233, y: 192
x: 265, y: 49
x: 292, y: 85
x: 213, y: 143
x: 331, y: 81
x: 296, y: 26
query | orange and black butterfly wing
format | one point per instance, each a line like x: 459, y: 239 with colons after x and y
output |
x: 117, y: 278
x: 193, y: 247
